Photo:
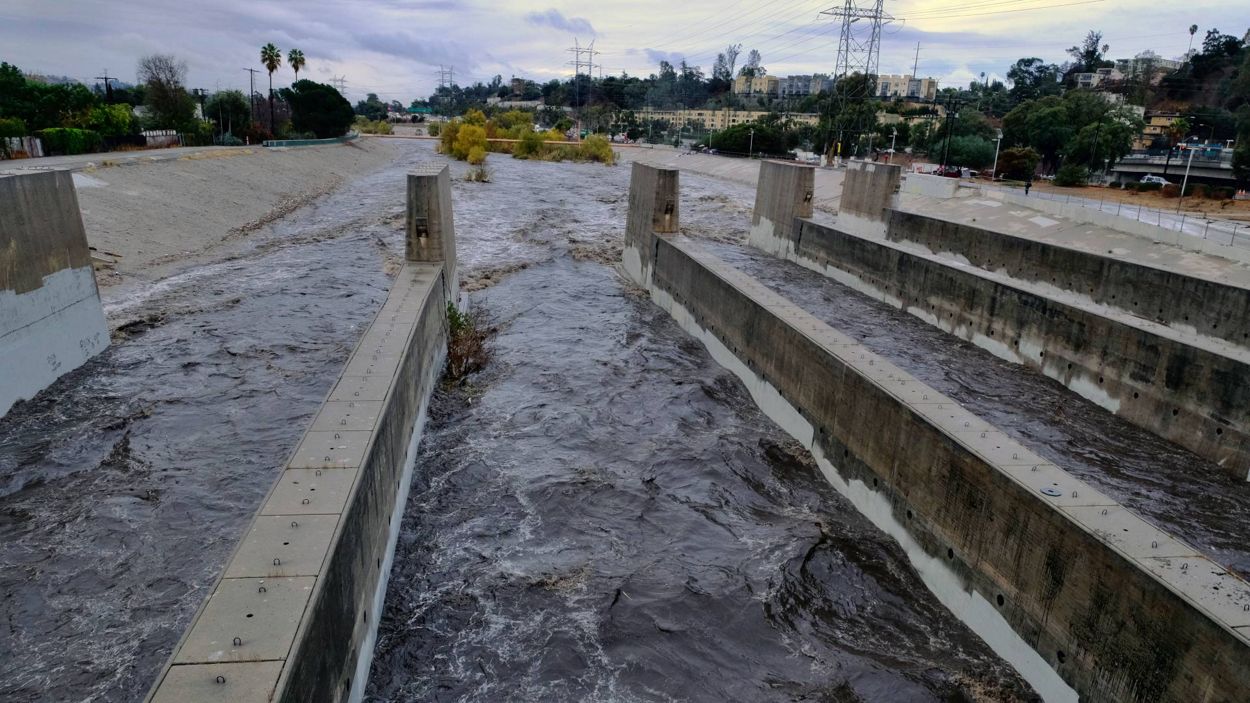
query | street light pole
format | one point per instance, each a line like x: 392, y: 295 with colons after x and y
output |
x: 751, y: 145
x: 998, y: 143
x: 1185, y: 181
x: 893, y: 139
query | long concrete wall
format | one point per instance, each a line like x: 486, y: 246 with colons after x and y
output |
x: 1078, y: 593
x: 51, y: 321
x: 1191, y: 395
x: 1191, y: 391
x: 294, y: 615
x: 1178, y: 300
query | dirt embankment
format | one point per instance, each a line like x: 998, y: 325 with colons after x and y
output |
x: 144, y: 220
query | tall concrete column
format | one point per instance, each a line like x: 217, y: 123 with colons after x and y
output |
x: 653, y: 209
x: 784, y: 191
x: 51, y: 321
x: 431, y: 230
x: 867, y: 191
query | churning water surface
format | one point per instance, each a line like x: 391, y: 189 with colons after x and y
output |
x: 125, y: 486
x: 603, y: 514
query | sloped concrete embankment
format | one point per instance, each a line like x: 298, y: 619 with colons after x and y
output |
x: 1153, y: 346
x: 294, y: 614
x: 51, y: 321
x: 1082, y: 596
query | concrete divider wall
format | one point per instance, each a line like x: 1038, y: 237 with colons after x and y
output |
x: 1209, y: 307
x: 51, y: 321
x: 1067, y: 585
x: 930, y: 185
x: 1190, y: 395
x: 294, y: 615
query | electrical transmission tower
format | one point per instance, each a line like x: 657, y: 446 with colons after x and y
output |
x: 339, y: 83
x: 578, y: 63
x: 859, y: 51
x: 446, y: 76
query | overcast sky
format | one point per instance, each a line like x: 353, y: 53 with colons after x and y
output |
x: 394, y: 47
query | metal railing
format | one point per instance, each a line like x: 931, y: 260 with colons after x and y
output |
x: 1190, y: 223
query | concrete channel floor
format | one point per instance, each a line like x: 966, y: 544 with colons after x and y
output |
x: 1168, y: 486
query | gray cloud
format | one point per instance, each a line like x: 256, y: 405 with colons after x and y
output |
x: 655, y: 56
x: 554, y: 19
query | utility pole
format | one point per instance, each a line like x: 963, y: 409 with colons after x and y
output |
x: 952, y: 107
x: 751, y: 145
x: 108, y: 86
x: 251, y: 93
x: 915, y: 66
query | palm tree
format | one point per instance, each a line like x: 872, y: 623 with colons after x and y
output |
x: 271, y: 57
x: 1174, y: 132
x: 295, y: 59
x: 1193, y: 29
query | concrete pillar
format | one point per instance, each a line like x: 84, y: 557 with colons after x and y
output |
x: 51, y: 321
x: 653, y: 209
x: 869, y: 188
x: 784, y: 191
x: 431, y: 230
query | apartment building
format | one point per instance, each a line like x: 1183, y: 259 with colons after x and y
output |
x: 905, y: 86
x: 717, y: 119
x: 757, y: 85
x: 802, y: 86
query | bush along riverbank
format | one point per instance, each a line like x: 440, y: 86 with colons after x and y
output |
x: 469, y: 139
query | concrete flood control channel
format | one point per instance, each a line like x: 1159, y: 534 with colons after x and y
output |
x: 619, y: 524
x: 1083, y: 583
x: 128, y: 483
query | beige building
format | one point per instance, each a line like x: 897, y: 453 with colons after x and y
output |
x: 759, y: 85
x: 1157, y: 124
x: 718, y: 119
x: 904, y: 86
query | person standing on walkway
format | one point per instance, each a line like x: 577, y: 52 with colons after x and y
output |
x: 1027, y: 185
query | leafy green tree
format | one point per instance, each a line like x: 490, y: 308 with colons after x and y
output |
x: 1088, y: 54
x: 371, y: 107
x: 295, y: 59
x: 111, y: 121
x: 271, y: 59
x: 318, y: 108
x: 967, y: 151
x: 1072, y: 176
x: 1033, y: 78
x: 1018, y: 163
x: 229, y: 109
x: 168, y: 104
x: 738, y: 139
